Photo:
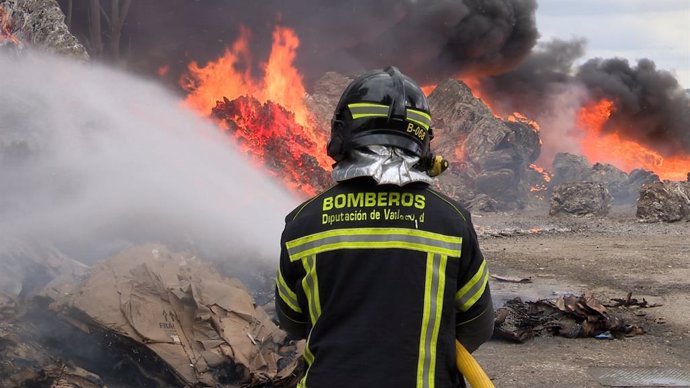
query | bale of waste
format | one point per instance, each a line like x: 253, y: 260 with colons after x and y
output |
x: 586, y: 198
x: 664, y: 202
x: 456, y: 113
x: 495, y: 153
x: 569, y: 168
x: 500, y: 185
x: 614, y: 179
x: 204, y: 327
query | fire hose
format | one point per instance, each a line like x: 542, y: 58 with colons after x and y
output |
x: 470, y: 368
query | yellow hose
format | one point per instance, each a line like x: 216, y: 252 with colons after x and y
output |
x: 469, y: 367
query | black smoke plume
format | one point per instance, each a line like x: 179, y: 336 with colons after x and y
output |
x: 428, y: 39
x: 530, y: 86
x: 650, y: 107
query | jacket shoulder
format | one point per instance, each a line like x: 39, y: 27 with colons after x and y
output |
x: 296, y: 212
x: 453, y: 205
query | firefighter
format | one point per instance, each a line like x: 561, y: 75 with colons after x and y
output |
x: 381, y: 273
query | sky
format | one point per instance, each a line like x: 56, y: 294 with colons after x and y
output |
x: 631, y: 29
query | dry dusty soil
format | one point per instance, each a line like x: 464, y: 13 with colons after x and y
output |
x: 611, y: 257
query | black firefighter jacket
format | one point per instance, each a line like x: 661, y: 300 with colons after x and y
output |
x: 377, y: 278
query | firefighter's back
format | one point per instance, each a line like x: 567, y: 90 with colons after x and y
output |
x: 380, y: 277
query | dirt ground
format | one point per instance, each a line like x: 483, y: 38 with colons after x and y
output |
x: 611, y: 257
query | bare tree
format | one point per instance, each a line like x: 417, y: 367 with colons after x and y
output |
x: 95, y: 33
x: 70, y: 7
x: 108, y: 35
x: 117, y: 20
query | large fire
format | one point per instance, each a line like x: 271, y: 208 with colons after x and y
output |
x: 230, y: 77
x: 610, y: 147
x: 605, y: 147
x: 268, y: 116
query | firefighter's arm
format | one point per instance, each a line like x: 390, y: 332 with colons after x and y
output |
x: 291, y: 314
x: 475, y: 331
x: 475, y: 313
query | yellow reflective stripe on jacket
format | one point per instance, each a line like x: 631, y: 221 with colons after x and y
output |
x: 310, y: 284
x: 374, y: 238
x: 309, y: 359
x: 434, y: 285
x: 437, y: 247
x: 308, y: 356
x: 473, y: 290
x: 286, y: 294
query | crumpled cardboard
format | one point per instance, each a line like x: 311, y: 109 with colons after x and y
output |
x: 199, y: 323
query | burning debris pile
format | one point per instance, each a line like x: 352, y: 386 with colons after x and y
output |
x: 168, y: 317
x: 493, y: 155
x: 268, y: 117
x: 492, y: 160
x: 490, y: 157
x: 270, y: 134
x: 39, y: 23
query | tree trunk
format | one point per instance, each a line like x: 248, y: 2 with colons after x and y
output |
x: 96, y: 40
x: 69, y: 14
x: 117, y: 18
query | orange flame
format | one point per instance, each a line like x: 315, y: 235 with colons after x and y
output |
x: 542, y: 171
x: 518, y: 117
x: 427, y: 89
x: 163, y: 70
x: 268, y: 132
x: 281, y: 84
x: 622, y: 153
x: 474, y: 85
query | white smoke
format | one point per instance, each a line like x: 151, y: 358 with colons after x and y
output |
x: 93, y: 160
x: 558, y: 119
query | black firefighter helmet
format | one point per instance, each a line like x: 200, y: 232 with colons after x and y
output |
x: 384, y: 107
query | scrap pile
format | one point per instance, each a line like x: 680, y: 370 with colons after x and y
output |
x: 568, y: 316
